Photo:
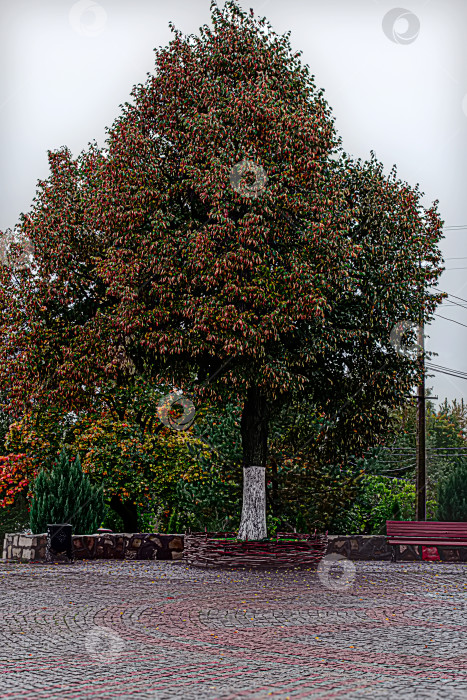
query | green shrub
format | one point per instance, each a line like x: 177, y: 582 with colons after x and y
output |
x: 381, y: 498
x: 452, y: 494
x: 64, y: 494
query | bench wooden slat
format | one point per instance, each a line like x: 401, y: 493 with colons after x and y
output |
x: 426, y: 524
x: 427, y: 529
x: 430, y: 534
x: 428, y: 541
x: 409, y: 528
x: 457, y: 535
x: 425, y: 533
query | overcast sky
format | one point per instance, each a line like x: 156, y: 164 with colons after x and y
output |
x: 396, y: 79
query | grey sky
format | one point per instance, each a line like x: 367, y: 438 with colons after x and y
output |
x: 400, y: 91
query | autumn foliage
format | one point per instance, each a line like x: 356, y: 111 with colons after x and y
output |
x: 150, y: 264
x: 16, y: 473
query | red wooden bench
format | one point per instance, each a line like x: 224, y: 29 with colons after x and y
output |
x: 425, y: 533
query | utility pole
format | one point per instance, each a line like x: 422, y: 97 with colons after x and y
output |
x: 420, y: 488
x: 420, y: 510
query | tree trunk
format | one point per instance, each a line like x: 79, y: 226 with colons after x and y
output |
x: 254, y: 430
x: 128, y: 512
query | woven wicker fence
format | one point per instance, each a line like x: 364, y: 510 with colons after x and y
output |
x: 223, y: 550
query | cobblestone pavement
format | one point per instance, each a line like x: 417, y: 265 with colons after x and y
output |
x: 156, y: 630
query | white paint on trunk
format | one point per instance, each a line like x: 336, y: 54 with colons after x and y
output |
x: 253, y: 521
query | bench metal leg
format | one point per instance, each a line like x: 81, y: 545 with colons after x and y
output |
x: 393, y: 553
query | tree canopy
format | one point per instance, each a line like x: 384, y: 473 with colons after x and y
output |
x: 157, y: 256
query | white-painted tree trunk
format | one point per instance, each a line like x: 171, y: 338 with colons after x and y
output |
x: 253, y: 521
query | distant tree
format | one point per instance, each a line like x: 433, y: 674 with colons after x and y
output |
x: 446, y: 439
x: 452, y: 496
x: 122, y: 442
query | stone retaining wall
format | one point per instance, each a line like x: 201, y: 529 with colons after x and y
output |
x: 169, y: 547
x: 363, y: 547
x: 376, y: 548
x: 102, y: 546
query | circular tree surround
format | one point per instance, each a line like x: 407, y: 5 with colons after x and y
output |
x: 224, y: 550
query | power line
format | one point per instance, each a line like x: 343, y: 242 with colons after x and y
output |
x: 442, y: 371
x: 429, y: 449
x: 454, y: 297
x: 450, y: 454
x: 398, y: 454
x: 459, y: 373
x: 399, y: 469
x: 451, y: 374
x: 450, y: 369
x: 450, y: 295
x: 455, y: 303
x: 451, y: 319
x: 402, y: 469
x: 403, y: 462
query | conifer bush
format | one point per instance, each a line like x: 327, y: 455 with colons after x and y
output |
x: 64, y: 494
x: 452, y: 494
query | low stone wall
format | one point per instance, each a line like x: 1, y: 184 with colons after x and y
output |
x: 363, y: 547
x: 103, y: 546
x: 24, y: 547
x: 169, y: 547
x: 158, y: 546
x: 376, y: 548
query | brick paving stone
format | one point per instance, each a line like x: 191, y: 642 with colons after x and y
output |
x: 153, y: 630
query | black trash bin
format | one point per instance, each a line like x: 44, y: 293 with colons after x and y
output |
x: 59, y: 542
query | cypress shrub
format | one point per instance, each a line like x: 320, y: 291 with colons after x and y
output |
x: 452, y: 494
x: 64, y: 494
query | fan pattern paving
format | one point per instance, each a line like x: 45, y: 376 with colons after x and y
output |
x: 124, y: 629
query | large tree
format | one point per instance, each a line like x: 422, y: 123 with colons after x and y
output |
x: 224, y: 230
